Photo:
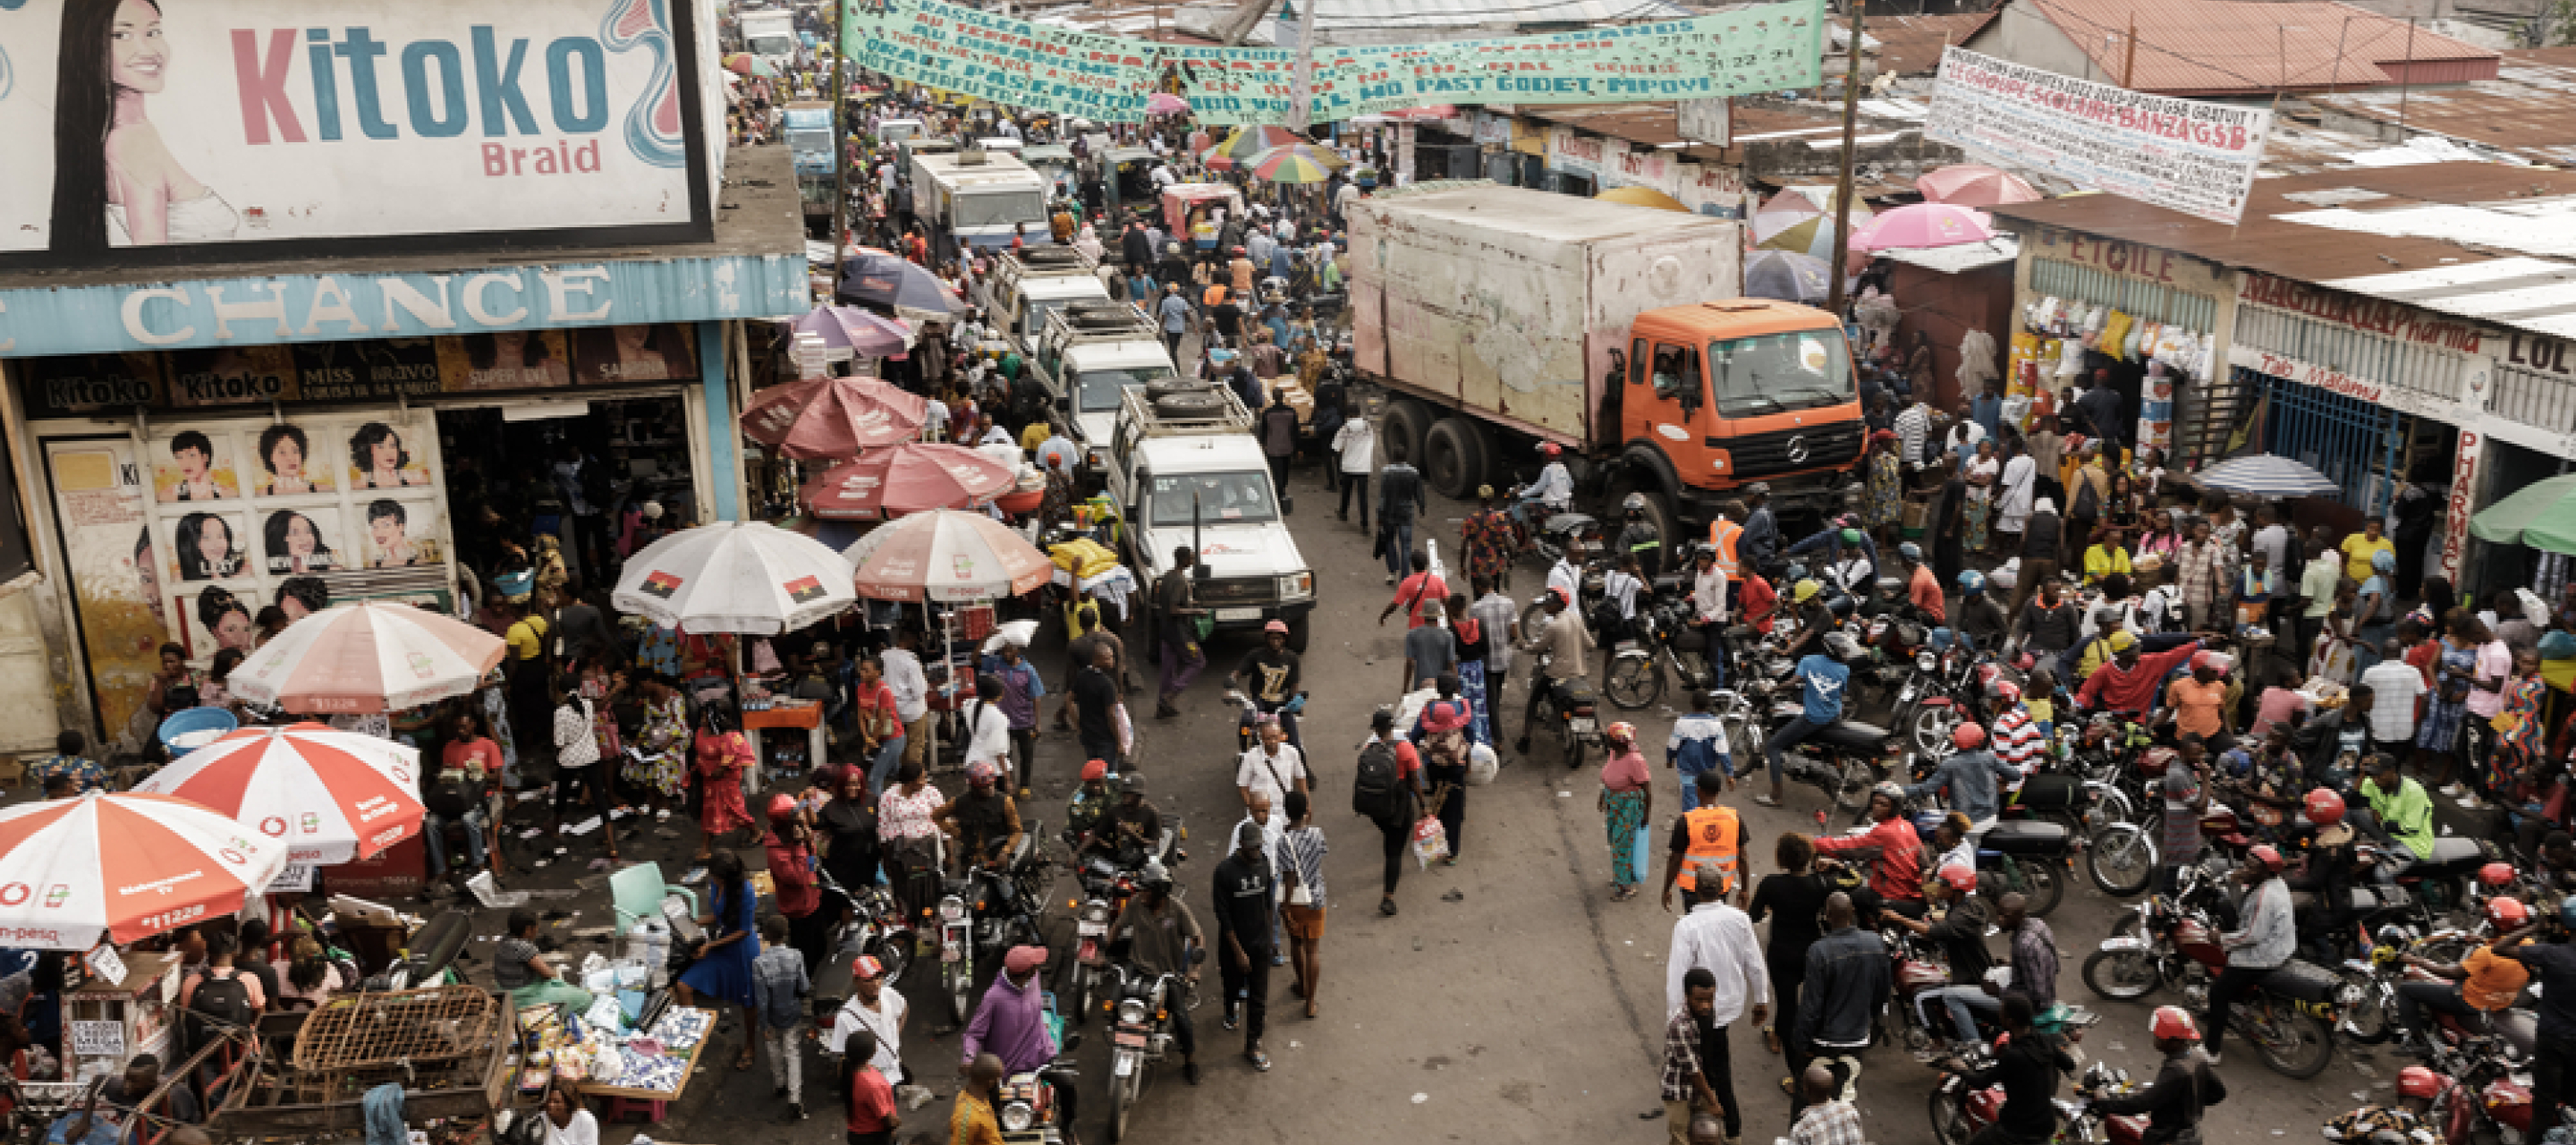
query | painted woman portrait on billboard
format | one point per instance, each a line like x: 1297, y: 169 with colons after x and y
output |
x: 115, y: 181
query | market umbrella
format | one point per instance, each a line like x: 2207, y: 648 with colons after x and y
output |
x: 372, y: 656
x: 1165, y: 103
x: 2266, y: 475
x: 735, y: 576
x: 1642, y: 197
x: 1970, y: 185
x: 833, y: 416
x: 1918, y: 225
x: 1294, y: 163
x: 1786, y: 275
x: 1247, y: 142
x: 849, y: 330
x: 2541, y: 515
x: 326, y: 796
x: 907, y: 479
x: 1801, y: 219
x: 946, y: 555
x: 133, y: 865
x: 890, y: 281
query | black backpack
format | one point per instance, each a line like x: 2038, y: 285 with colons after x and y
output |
x: 1377, y: 792
x: 224, y: 1004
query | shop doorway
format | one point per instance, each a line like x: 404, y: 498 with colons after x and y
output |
x: 581, y: 472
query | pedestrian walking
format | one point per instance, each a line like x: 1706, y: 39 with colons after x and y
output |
x: 1717, y: 940
x: 1387, y: 786
x: 1627, y: 801
x: 1400, y: 497
x: 1441, y: 733
x: 1176, y: 603
x: 1299, y: 857
x: 1355, y: 450
x: 872, y: 1117
x: 1847, y: 981
x: 1279, y: 435
x: 1794, y: 902
x: 1687, y: 1077
x: 780, y: 987
x: 1243, y: 899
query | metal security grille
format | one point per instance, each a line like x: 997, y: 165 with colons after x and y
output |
x: 2429, y: 370
x: 2351, y: 441
x: 2146, y: 301
x: 2539, y: 400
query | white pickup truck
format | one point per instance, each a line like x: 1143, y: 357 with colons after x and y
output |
x: 1090, y: 354
x: 1187, y: 471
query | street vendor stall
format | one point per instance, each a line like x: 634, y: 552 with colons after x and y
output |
x: 445, y: 1046
x: 1190, y: 209
x: 108, y: 1021
x: 638, y: 1062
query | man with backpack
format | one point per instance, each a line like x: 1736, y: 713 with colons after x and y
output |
x: 1386, y: 786
x: 219, y: 999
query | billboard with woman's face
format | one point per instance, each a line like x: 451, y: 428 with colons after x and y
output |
x: 142, y: 128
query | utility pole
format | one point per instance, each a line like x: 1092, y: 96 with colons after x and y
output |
x: 840, y: 170
x: 2129, y: 65
x: 1843, y: 181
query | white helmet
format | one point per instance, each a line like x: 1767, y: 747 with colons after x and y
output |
x: 1842, y: 646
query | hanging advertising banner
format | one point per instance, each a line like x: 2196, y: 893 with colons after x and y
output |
x: 2183, y: 155
x: 1043, y: 67
x: 141, y: 133
x: 1001, y: 58
x: 2463, y: 501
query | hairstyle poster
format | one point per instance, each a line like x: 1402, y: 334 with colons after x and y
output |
x: 508, y: 360
x: 216, y: 617
x: 137, y: 124
x: 614, y: 355
x: 385, y: 454
x: 402, y: 532
x: 302, y: 541
x: 283, y: 464
x: 111, y: 559
x: 208, y: 544
x: 194, y: 466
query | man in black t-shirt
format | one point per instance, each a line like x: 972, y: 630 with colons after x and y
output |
x: 1270, y: 675
x: 1961, y: 934
x: 1243, y: 902
x: 1094, y: 698
x: 1227, y: 317
x: 2553, y: 972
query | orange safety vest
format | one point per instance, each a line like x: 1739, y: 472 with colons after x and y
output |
x: 1714, y: 832
x: 1722, y: 535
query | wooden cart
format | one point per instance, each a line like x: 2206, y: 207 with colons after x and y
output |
x: 446, y: 1046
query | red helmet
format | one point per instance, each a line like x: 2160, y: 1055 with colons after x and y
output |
x: 2506, y: 913
x: 2266, y: 855
x: 2172, y: 1022
x: 2324, y: 807
x: 1959, y: 878
x: 1548, y: 449
x: 1968, y: 737
x: 2417, y: 1081
x: 2496, y: 874
x: 2004, y: 691
x: 782, y: 806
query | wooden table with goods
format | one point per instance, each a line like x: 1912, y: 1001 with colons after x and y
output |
x: 653, y: 1104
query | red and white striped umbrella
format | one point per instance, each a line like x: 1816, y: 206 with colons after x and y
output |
x: 834, y: 417
x: 374, y: 656
x: 946, y: 555
x: 327, y: 796
x: 905, y: 479
x: 131, y: 865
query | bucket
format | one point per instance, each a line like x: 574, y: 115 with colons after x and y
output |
x: 199, y: 720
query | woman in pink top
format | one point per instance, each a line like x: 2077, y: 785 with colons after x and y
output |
x: 906, y: 826
x: 1627, y: 798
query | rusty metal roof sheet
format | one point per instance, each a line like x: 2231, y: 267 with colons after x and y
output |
x: 1911, y: 45
x: 2529, y: 109
x: 2229, y: 47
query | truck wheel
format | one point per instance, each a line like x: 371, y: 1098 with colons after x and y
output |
x: 1668, y: 528
x: 1453, y: 458
x: 1400, y: 437
x: 1297, y: 635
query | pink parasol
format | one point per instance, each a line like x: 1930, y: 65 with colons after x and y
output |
x: 1969, y: 185
x: 1924, y: 225
x: 326, y: 796
x: 833, y: 417
x: 905, y: 479
x: 374, y: 656
x: 946, y: 555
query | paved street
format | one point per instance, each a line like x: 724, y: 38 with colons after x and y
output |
x: 1511, y: 1000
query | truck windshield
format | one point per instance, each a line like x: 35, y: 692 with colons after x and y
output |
x: 772, y: 45
x: 1222, y: 498
x: 1096, y: 391
x: 1000, y: 209
x: 1772, y: 373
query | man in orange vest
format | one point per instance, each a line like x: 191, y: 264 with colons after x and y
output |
x: 1723, y: 533
x: 1710, y: 834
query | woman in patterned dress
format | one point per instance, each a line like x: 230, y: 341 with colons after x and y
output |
x: 1885, y: 505
x: 661, y: 760
x: 1487, y: 537
x: 1980, y: 475
x: 2446, y: 709
x: 721, y: 753
x: 2518, y: 743
x: 1627, y: 798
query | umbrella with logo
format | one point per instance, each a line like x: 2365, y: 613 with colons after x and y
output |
x: 849, y: 330
x: 735, y: 576
x: 887, y: 280
x: 1918, y: 225
x: 1970, y: 185
x: 2541, y: 515
x: 1165, y: 103
x: 2266, y: 475
x: 946, y: 555
x: 132, y: 865
x: 833, y: 416
x: 326, y: 796
x: 374, y: 656
x: 907, y: 479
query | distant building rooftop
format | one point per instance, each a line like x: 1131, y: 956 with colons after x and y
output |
x: 2228, y: 47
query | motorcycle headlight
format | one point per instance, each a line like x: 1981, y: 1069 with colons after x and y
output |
x: 952, y: 909
x: 1297, y: 586
x: 1017, y: 1117
x: 1096, y: 912
x: 1926, y: 661
x: 1132, y: 1011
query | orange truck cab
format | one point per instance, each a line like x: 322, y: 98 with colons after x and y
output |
x: 1714, y: 396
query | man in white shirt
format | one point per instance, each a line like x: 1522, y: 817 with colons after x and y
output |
x: 2394, y: 686
x: 1567, y: 572
x: 1551, y: 493
x: 1719, y: 938
x: 1271, y: 768
x: 911, y: 688
x: 875, y: 1007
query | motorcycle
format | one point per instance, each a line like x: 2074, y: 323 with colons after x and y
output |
x: 1571, y: 707
x: 1667, y: 641
x: 874, y: 925
x: 2488, y: 1095
x: 1107, y: 885
x: 2017, y: 855
x: 1141, y: 1037
x: 2173, y: 943
x: 1555, y: 530
x: 1246, y: 735
x: 986, y: 911
x: 1027, y: 1106
x: 2371, y: 1009
x: 1959, y: 1113
x: 1842, y: 759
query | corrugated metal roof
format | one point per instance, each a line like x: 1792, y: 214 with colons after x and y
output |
x: 2229, y: 47
x: 2527, y: 293
x: 2529, y: 109
x: 1953, y: 259
x: 1911, y: 45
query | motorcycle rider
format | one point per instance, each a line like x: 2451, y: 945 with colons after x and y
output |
x: 1567, y: 572
x: 1759, y: 547
x: 2555, y: 1050
x: 2409, y: 1119
x: 1972, y: 776
x: 1835, y: 541
x: 1090, y: 803
x: 1639, y: 537
x: 1010, y: 1024
x: 1563, y: 637
x: 1134, y: 823
x: 2481, y: 984
x: 2027, y: 1064
x: 1160, y: 935
x: 2184, y: 1088
x: 1893, y: 851
x: 1273, y: 672
x: 2400, y: 813
x: 1551, y: 494
x: 2327, y: 877
x: 1922, y: 586
x: 1981, y: 620
x: 1807, y: 605
x: 1961, y: 936
x: 983, y: 824
x: 1697, y: 745
x: 2018, y: 741
x: 1823, y: 681
x: 2129, y: 683
x: 2269, y: 939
